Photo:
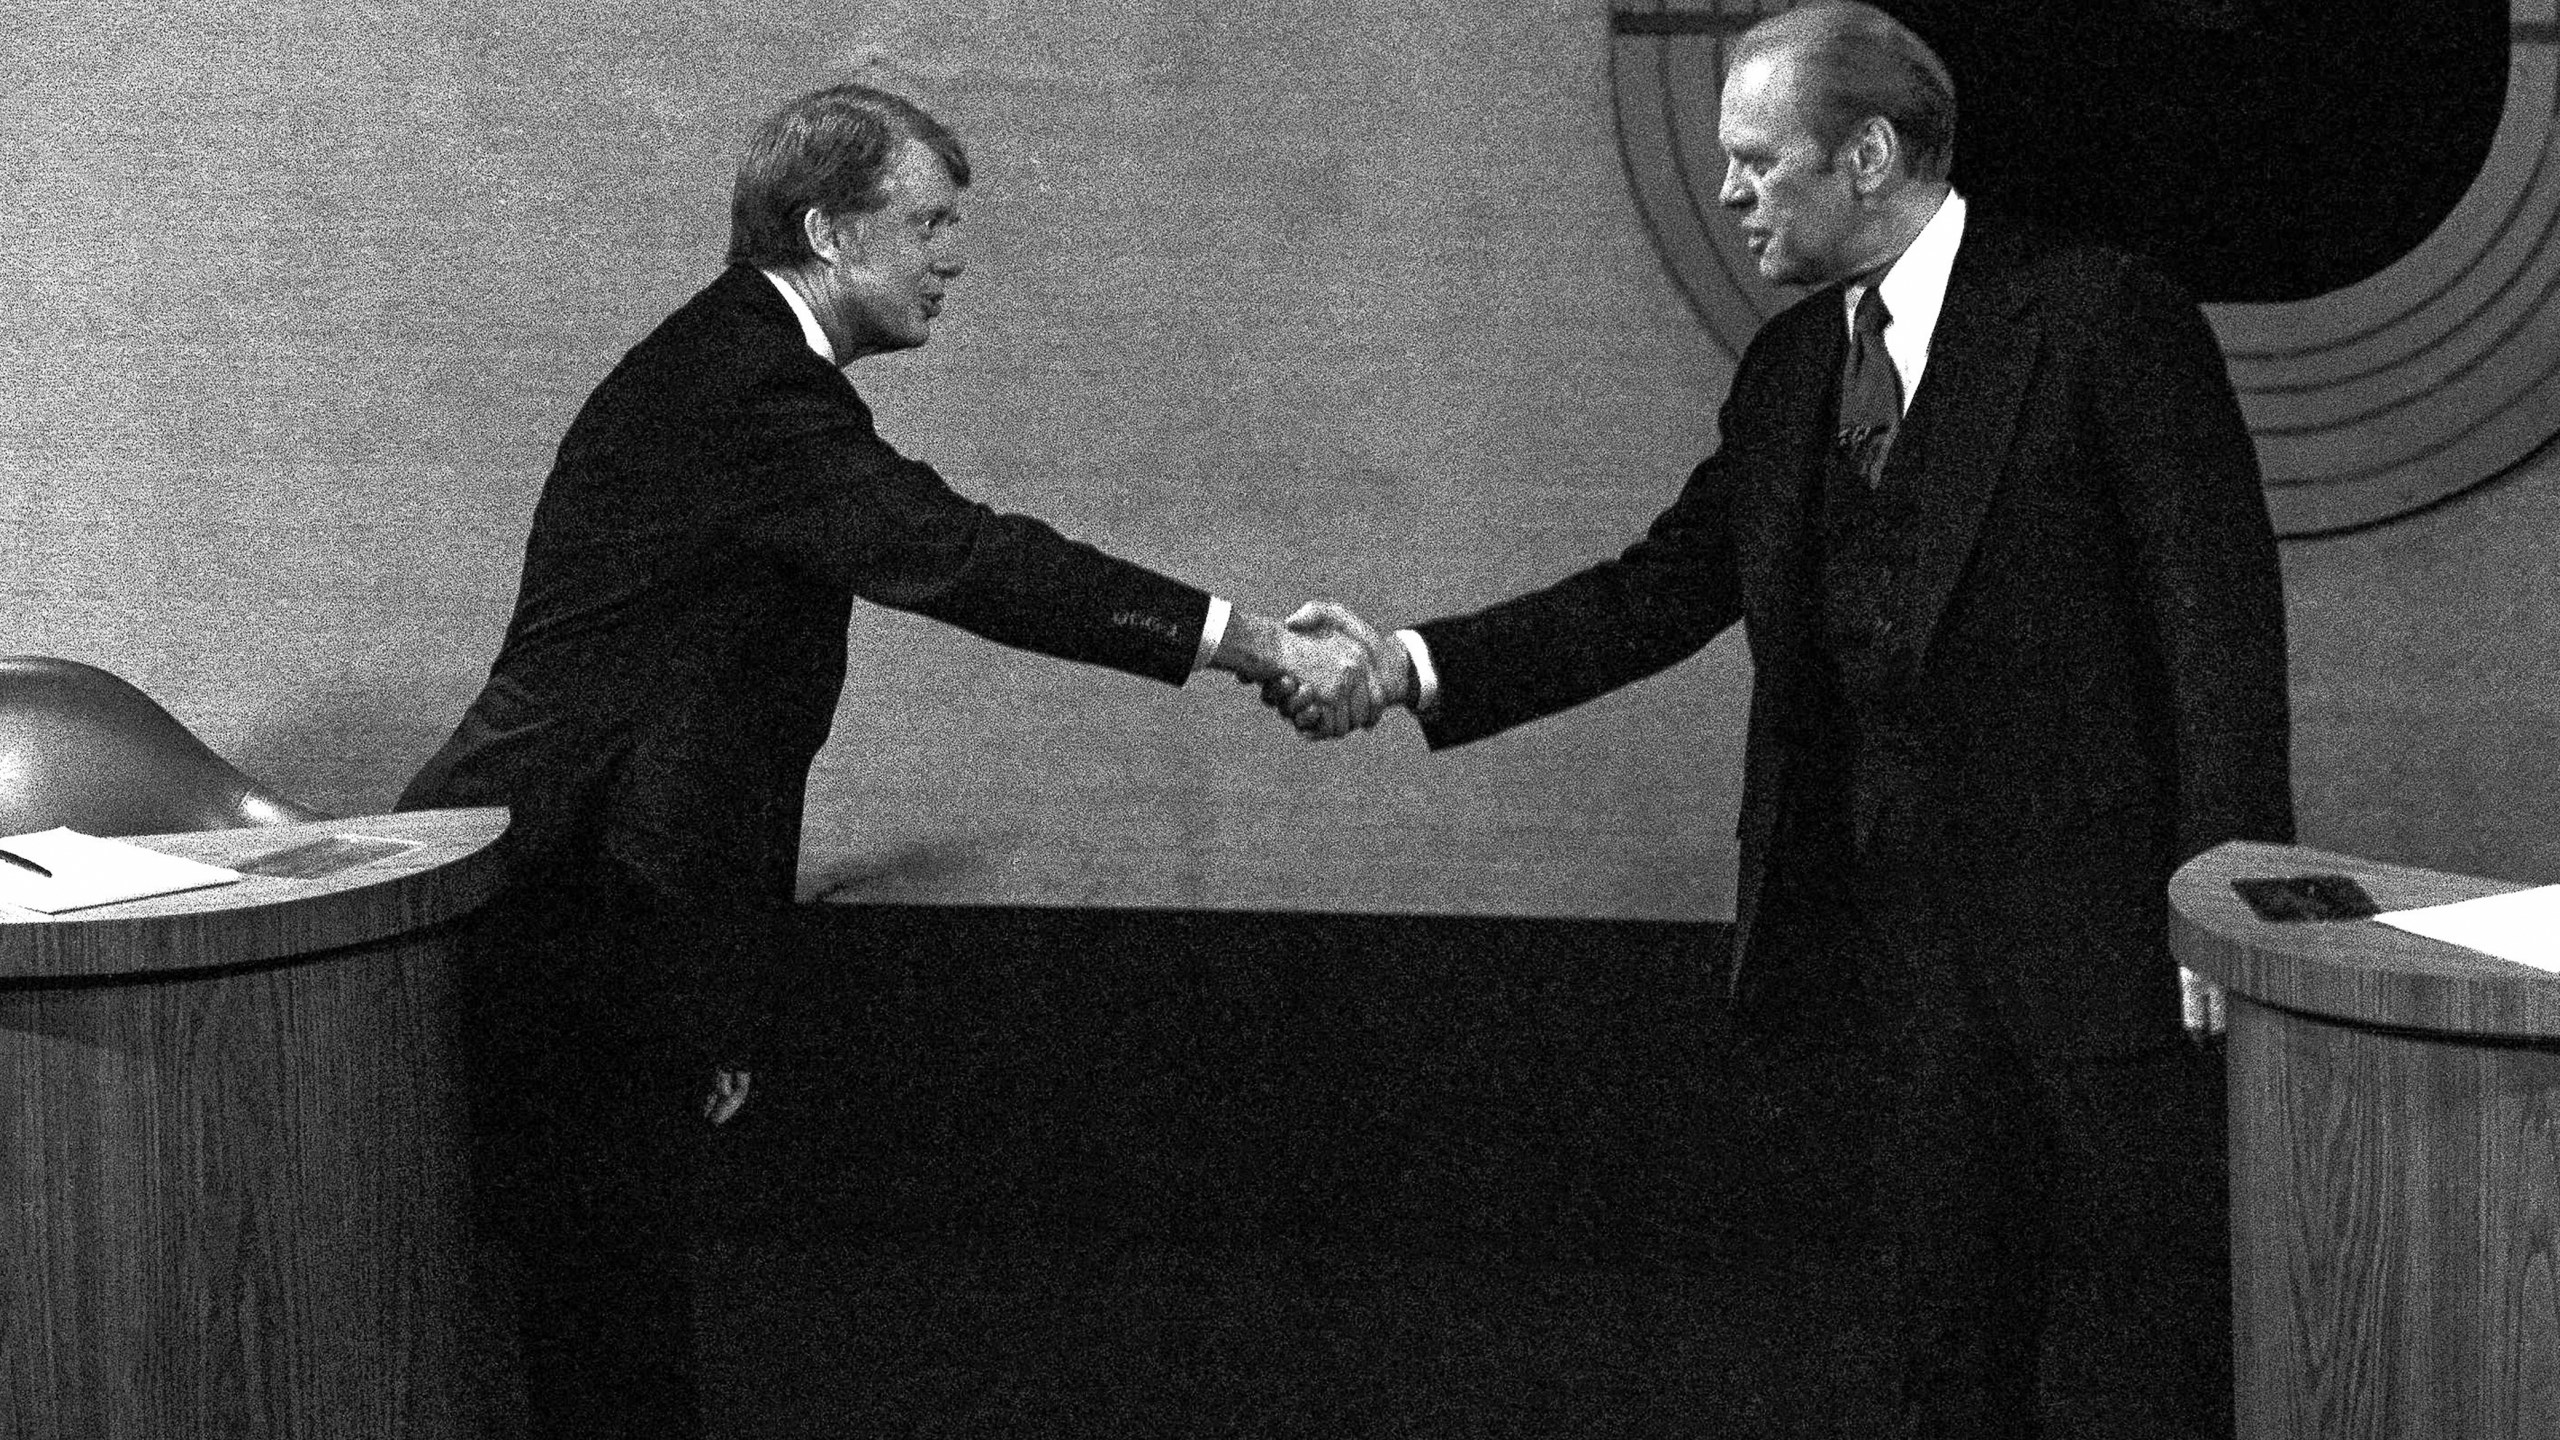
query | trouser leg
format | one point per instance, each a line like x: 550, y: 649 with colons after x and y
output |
x: 1962, y: 1162
x: 2061, y: 1228
x: 2141, y: 1342
x: 589, y: 1133
x: 608, y: 1292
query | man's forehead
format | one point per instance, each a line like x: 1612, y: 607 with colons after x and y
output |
x: 1757, y: 104
x: 919, y: 175
x: 1763, y: 79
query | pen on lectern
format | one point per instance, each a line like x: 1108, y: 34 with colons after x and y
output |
x: 23, y: 863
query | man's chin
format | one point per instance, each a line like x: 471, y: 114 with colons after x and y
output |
x: 1782, y: 270
x: 904, y: 340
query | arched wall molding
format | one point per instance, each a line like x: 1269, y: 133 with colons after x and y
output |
x: 2367, y: 403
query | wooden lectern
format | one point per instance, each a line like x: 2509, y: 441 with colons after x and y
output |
x: 2395, y: 1162
x: 232, y: 1167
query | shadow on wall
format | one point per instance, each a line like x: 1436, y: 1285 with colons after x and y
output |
x: 348, y: 750
x: 351, y: 751
x: 914, y: 868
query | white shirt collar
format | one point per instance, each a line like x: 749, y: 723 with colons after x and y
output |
x: 1915, y: 290
x: 816, y: 334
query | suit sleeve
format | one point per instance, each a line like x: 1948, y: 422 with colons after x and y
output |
x: 850, y: 506
x: 2208, y: 579
x: 1656, y: 603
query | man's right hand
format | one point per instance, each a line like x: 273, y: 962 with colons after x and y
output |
x: 1382, y: 677
x: 1321, y: 671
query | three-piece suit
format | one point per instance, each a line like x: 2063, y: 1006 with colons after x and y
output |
x: 1998, y: 698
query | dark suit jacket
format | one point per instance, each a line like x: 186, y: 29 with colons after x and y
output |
x: 678, y: 645
x: 2086, y: 659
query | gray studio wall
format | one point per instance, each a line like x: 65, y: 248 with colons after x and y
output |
x: 2426, y: 683
x: 1287, y: 297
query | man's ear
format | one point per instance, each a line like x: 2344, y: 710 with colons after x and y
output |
x: 829, y: 239
x: 1872, y: 151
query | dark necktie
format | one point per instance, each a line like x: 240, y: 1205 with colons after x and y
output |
x: 1870, y: 391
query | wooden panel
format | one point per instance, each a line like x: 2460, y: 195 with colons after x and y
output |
x: 264, y: 917
x: 2396, y: 1232
x: 2357, y: 970
x: 233, y: 1206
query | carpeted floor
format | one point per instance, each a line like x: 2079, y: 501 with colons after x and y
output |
x: 1053, y: 1173
x: 1020, y: 1337
x: 1057, y: 1173
x: 1740, y: 1307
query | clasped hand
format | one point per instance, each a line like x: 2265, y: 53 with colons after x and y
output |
x: 1335, y: 673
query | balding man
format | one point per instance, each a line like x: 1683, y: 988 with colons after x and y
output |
x: 1986, y: 510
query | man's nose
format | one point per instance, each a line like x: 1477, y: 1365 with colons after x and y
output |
x: 1735, y: 194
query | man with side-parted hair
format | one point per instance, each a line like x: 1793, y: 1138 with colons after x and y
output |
x: 674, y: 662
x: 1985, y: 507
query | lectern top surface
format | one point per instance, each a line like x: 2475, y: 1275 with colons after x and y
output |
x: 2358, y: 970
x: 441, y: 869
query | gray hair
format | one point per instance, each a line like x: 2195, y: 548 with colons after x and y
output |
x: 1854, y: 63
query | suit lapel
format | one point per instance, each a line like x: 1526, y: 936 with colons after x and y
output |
x: 1958, y: 435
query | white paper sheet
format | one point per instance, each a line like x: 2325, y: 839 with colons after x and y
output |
x: 88, y: 870
x: 2522, y: 925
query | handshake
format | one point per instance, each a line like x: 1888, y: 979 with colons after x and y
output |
x: 1324, y: 668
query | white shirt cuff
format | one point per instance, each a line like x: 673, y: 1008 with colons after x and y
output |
x: 1213, y: 632
x: 1426, y: 677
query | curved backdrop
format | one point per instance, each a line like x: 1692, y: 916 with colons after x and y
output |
x: 2368, y: 402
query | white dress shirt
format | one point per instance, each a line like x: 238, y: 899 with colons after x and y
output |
x: 1915, y: 290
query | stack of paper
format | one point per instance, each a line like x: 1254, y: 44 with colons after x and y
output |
x: 52, y: 871
x: 2521, y: 925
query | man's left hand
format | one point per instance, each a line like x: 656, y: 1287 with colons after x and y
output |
x: 2201, y: 1003
x: 728, y: 1092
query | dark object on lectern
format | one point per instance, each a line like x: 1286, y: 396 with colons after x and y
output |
x: 80, y: 747
x: 2294, y: 898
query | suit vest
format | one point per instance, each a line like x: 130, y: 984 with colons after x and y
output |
x: 1866, y: 547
